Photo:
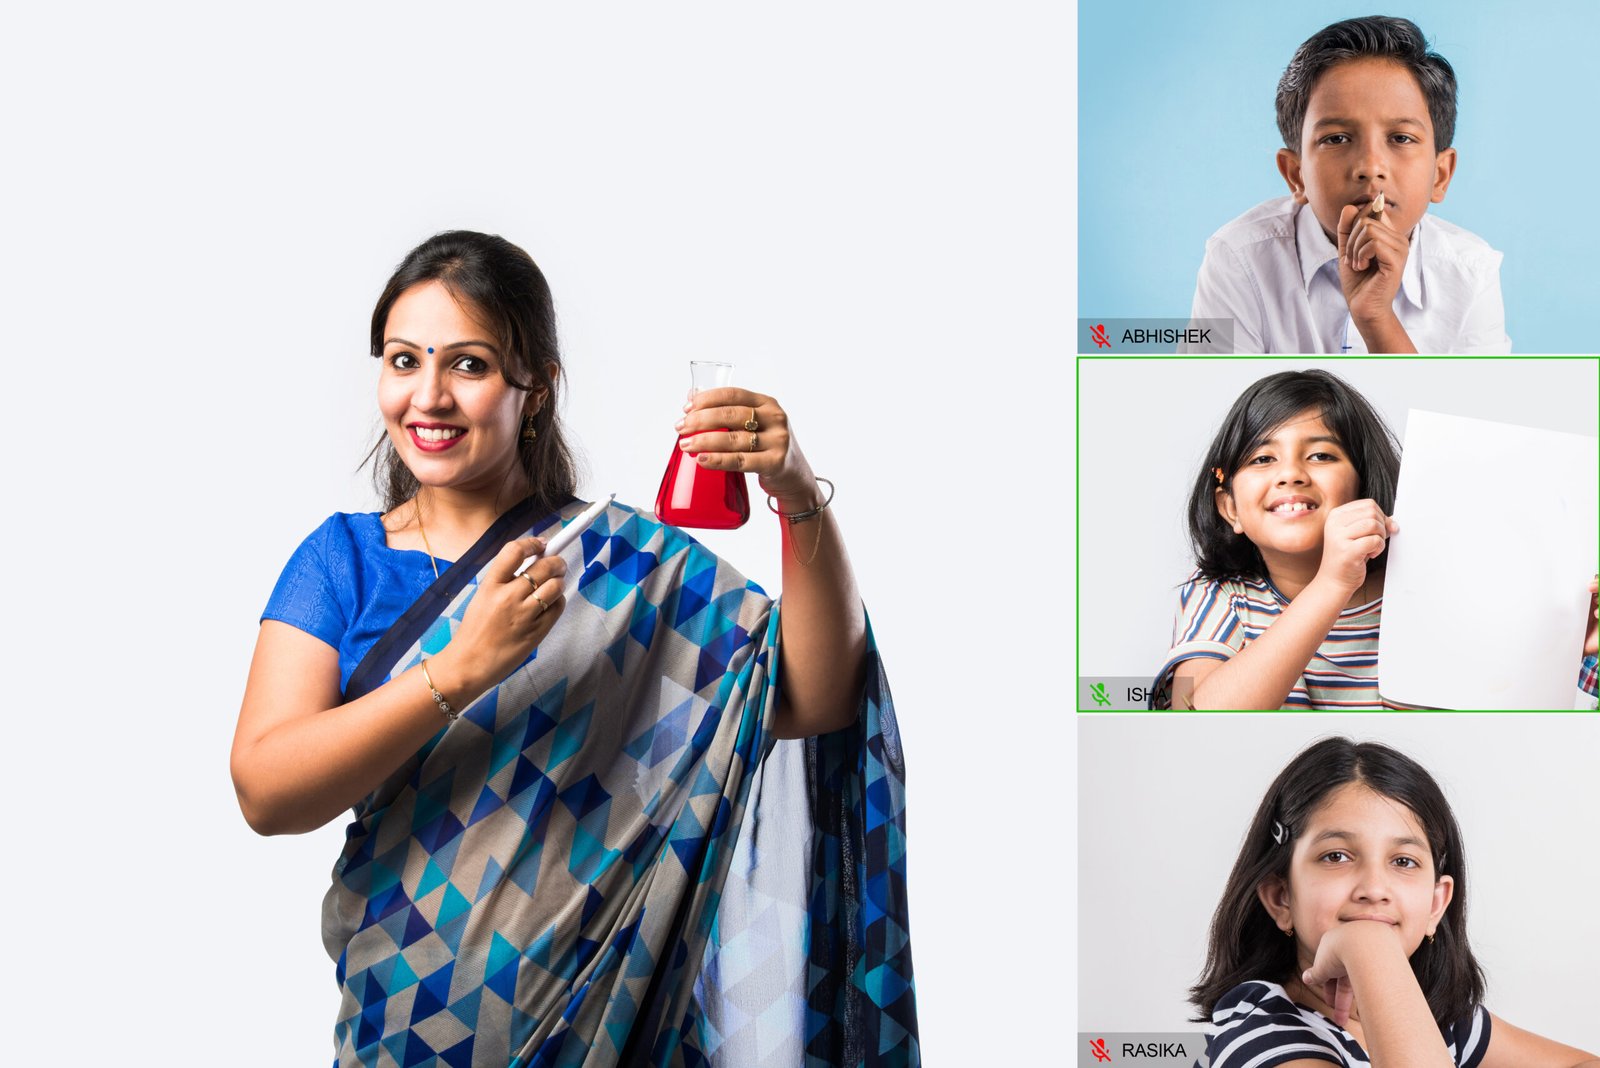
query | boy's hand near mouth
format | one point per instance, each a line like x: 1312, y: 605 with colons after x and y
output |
x: 1372, y: 258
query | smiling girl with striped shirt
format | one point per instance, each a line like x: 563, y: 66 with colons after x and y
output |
x: 1290, y: 519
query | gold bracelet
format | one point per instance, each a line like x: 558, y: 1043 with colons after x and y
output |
x: 801, y: 517
x: 438, y: 698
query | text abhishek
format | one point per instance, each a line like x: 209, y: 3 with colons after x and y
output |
x: 1191, y: 336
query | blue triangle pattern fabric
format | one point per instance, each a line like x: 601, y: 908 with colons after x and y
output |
x: 642, y: 627
x: 580, y: 842
x: 458, y: 1055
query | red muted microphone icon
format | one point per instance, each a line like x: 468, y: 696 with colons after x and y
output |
x: 1099, y: 334
x: 1098, y: 1048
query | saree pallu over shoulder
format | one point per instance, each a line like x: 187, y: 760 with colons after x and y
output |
x: 607, y: 860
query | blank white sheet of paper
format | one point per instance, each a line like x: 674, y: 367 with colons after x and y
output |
x: 1485, y: 599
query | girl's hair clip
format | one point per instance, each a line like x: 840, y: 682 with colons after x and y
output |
x: 1280, y: 833
x: 1218, y: 470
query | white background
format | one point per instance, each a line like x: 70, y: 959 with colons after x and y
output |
x: 1137, y: 473
x: 1172, y: 798
x: 867, y: 207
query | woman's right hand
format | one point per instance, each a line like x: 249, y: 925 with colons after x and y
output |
x: 509, y: 616
x: 1353, y: 534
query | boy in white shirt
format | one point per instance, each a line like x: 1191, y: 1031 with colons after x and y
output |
x: 1364, y: 109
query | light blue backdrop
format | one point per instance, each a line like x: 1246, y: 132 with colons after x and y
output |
x: 1177, y: 136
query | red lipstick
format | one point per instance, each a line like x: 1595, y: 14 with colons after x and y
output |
x: 434, y: 446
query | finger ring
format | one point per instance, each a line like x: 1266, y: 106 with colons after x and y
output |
x: 754, y: 442
x: 750, y: 423
x: 531, y: 580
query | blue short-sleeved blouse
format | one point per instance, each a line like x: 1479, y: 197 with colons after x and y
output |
x: 345, y: 586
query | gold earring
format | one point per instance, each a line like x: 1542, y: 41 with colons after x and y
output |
x: 1290, y: 932
x: 528, y: 432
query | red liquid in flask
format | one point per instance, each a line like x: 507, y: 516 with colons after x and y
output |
x: 695, y: 496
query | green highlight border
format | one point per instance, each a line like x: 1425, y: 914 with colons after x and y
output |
x: 1077, y: 520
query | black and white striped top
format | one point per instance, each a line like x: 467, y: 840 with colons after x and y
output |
x: 1257, y: 1026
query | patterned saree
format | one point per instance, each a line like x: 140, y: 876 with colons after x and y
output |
x: 607, y: 860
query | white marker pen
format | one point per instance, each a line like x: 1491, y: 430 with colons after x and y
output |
x: 569, y: 533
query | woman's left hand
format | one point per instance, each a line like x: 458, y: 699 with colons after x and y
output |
x: 823, y: 626
x: 731, y: 429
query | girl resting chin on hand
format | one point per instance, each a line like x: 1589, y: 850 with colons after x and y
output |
x: 1341, y: 935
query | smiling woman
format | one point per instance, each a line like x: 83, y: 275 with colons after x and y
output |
x: 481, y: 308
x: 552, y: 856
x: 455, y: 422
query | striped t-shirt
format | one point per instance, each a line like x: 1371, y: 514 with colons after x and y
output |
x: 1255, y: 1025
x: 1216, y: 619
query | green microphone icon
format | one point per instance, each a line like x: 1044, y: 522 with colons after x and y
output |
x: 1099, y: 692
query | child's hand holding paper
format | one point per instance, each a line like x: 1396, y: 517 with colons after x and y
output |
x: 1504, y: 639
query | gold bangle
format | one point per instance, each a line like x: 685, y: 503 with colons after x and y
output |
x: 801, y: 517
x: 438, y: 698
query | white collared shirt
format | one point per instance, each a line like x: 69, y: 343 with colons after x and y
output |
x: 1275, y: 273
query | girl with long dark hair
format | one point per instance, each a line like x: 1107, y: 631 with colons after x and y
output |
x: 1341, y: 936
x: 1290, y: 516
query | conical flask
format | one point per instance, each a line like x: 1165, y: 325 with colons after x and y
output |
x: 694, y: 496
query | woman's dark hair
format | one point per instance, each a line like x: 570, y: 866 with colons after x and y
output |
x: 499, y: 284
x: 1373, y: 37
x: 1245, y: 943
x: 1261, y: 409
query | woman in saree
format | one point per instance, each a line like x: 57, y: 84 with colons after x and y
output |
x: 574, y: 842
